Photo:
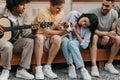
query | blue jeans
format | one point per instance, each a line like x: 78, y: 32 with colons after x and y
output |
x: 71, y: 50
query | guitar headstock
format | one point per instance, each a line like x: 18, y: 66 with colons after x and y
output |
x: 45, y: 24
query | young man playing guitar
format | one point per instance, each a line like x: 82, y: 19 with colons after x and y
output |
x: 20, y: 41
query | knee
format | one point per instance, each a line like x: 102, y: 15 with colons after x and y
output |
x: 39, y: 39
x: 8, y: 46
x: 94, y: 40
x: 64, y: 42
x: 29, y: 42
x: 64, y: 39
x: 56, y: 40
x: 39, y: 36
x: 117, y: 41
x: 71, y: 44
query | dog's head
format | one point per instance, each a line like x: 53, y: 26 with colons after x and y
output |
x: 67, y: 24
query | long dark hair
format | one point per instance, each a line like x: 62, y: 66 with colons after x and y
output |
x: 10, y: 4
x: 93, y: 23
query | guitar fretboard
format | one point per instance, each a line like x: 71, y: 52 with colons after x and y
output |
x: 16, y: 28
x: 42, y: 25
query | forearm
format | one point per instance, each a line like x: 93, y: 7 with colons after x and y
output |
x: 113, y: 27
x: 78, y: 36
x: 55, y: 32
x: 101, y: 33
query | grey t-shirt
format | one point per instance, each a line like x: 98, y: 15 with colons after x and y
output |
x: 105, y: 21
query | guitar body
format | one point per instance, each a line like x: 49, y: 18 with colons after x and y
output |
x: 6, y: 23
x: 6, y: 35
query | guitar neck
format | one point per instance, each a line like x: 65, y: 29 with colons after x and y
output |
x: 17, y: 27
x: 12, y: 28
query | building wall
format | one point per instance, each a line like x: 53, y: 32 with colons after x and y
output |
x: 33, y: 6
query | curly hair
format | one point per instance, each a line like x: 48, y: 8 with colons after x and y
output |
x: 10, y: 4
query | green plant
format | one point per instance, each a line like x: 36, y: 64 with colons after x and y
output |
x: 117, y: 8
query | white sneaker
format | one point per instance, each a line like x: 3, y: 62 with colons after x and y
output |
x: 85, y: 74
x: 109, y: 67
x: 39, y: 73
x: 72, y: 72
x: 4, y: 75
x: 48, y: 72
x: 24, y: 74
x: 94, y: 71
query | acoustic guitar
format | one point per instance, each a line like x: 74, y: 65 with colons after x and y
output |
x: 8, y: 28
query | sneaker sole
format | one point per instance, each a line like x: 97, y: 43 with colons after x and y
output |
x: 48, y: 75
x: 19, y: 76
x: 73, y: 77
x: 39, y: 78
x: 95, y: 75
x: 4, y: 79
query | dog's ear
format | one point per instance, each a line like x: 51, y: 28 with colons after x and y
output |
x: 64, y: 24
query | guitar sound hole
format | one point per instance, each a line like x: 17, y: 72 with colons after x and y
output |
x: 1, y: 35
